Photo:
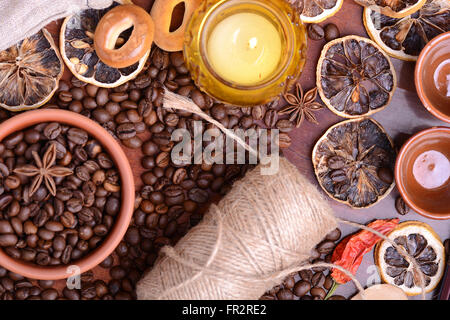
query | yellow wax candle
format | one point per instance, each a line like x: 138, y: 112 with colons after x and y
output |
x: 244, y: 48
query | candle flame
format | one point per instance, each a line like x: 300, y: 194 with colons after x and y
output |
x: 253, y: 42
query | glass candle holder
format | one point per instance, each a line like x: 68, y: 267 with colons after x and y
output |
x: 245, y: 52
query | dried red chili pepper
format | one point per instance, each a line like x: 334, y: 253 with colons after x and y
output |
x: 351, y: 250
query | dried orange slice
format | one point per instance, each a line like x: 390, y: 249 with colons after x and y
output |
x: 404, y: 38
x: 393, y: 8
x: 77, y: 50
x: 315, y: 11
x: 348, y: 160
x: 355, y: 77
x: 421, y: 242
x: 29, y: 72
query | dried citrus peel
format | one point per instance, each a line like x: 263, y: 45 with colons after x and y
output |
x: 29, y: 72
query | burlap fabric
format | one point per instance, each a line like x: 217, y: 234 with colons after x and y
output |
x: 22, y: 18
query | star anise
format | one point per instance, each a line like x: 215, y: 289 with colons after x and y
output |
x: 301, y: 106
x: 44, y: 170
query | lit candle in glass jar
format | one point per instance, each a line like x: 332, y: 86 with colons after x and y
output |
x: 245, y: 52
x: 244, y: 48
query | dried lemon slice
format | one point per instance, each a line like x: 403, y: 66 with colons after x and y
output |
x: 404, y: 38
x: 348, y: 158
x: 315, y: 11
x: 77, y: 50
x: 355, y: 77
x: 29, y: 72
x: 393, y: 8
x: 421, y: 242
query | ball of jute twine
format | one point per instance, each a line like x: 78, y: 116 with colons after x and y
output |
x: 263, y: 230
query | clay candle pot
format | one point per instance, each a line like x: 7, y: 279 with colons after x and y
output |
x: 422, y: 172
x: 123, y: 219
x: 432, y: 76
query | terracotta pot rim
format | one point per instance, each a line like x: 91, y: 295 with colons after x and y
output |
x: 399, y: 181
x: 123, y: 218
x: 419, y: 80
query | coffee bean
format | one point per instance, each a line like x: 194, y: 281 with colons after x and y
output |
x: 133, y: 143
x: 285, y: 294
x: 45, y: 234
x: 334, y: 235
x: 318, y: 292
x: 108, y: 262
x: 117, y: 272
x: 65, y: 96
x: 126, y: 131
x: 89, y: 103
x: 7, y: 240
x: 177, y: 58
x: 101, y: 288
x: 85, y: 232
x: 318, y: 279
x: 306, y: 275
x: 71, y: 294
x: 49, y: 294
x: 13, y: 139
x: 271, y: 118
x: 325, y: 247
x: 315, y: 32
x: 258, y: 112
x: 43, y: 259
x: 112, y: 206
x: 132, y: 236
x: 401, y: 206
x: 54, y: 226
x: 328, y: 283
x: 198, y: 195
x: 285, y: 125
x: 162, y: 159
x: 284, y: 140
x: 17, y: 225
x: 5, y: 200
x: 5, y: 227
x: 52, y: 130
x: 198, y: 98
x: 77, y: 136
x: 301, y: 288
x: 331, y: 32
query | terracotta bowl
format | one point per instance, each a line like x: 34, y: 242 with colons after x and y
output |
x: 434, y: 56
x: 120, y: 226
x: 433, y: 202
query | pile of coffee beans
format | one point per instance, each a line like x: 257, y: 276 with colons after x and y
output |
x: 173, y: 198
x: 312, y: 284
x: 127, y: 110
x: 54, y: 228
x: 16, y: 287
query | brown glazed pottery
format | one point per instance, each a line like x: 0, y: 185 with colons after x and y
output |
x: 432, y: 76
x: 422, y: 172
x: 120, y: 226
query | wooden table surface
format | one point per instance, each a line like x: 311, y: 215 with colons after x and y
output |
x: 405, y: 114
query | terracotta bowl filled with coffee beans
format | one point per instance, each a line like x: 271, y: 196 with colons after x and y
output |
x: 66, y: 194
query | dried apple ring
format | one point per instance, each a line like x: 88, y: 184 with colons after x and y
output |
x: 162, y: 15
x: 112, y: 24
